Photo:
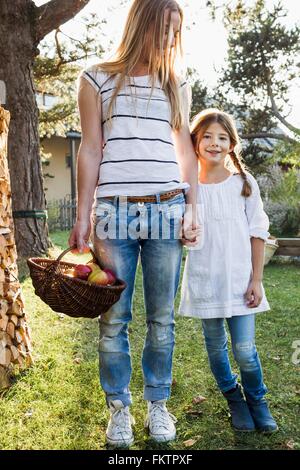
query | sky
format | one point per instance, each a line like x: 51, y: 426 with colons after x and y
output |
x: 205, y: 41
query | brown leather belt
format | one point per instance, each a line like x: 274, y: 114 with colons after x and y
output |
x: 163, y: 197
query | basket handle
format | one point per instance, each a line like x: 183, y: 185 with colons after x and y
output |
x: 72, y: 248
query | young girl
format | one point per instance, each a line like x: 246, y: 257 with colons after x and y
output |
x: 136, y: 151
x: 223, y: 275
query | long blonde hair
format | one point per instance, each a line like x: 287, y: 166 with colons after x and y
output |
x: 147, y: 16
x: 200, y: 124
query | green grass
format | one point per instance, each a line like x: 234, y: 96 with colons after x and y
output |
x: 58, y: 402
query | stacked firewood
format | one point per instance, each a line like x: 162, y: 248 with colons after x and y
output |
x: 15, y: 347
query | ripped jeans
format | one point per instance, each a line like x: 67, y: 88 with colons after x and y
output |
x: 160, y: 259
x: 242, y: 332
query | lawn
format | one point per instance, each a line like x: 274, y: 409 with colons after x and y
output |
x: 58, y: 403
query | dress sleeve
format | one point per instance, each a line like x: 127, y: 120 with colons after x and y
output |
x: 258, y: 220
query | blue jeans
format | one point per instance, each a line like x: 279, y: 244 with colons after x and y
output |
x: 160, y: 253
x: 242, y: 332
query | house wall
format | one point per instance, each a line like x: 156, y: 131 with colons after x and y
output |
x: 59, y: 186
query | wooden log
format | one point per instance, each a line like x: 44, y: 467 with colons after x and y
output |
x: 20, y: 361
x: 16, y: 308
x: 18, y: 336
x: 14, y: 319
x: 27, y: 343
x: 10, y: 329
x: 3, y: 307
x: 22, y: 350
x: 11, y: 302
x: 22, y: 323
x: 5, y: 357
x: 14, y: 353
x: 5, y: 338
x: 4, y: 378
x: 3, y: 322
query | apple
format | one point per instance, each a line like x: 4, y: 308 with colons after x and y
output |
x: 92, y: 265
x: 82, y: 271
x: 98, y: 276
x: 110, y: 275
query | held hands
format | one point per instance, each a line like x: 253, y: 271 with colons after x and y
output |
x: 190, y: 235
x: 190, y: 229
x: 254, y: 294
x: 79, y: 236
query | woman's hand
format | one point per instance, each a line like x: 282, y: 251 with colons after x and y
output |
x: 190, y: 235
x: 190, y: 229
x: 254, y: 294
x: 79, y: 236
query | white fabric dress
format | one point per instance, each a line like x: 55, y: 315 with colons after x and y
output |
x: 218, y: 270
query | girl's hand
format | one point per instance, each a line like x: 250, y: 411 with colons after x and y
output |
x: 190, y: 229
x: 190, y: 236
x: 79, y: 236
x: 254, y: 294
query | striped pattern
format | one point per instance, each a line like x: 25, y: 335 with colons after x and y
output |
x: 138, y: 152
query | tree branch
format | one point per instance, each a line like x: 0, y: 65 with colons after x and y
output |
x: 55, y: 13
x: 277, y: 113
x: 267, y: 135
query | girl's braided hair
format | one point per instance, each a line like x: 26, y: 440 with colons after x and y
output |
x: 199, y: 126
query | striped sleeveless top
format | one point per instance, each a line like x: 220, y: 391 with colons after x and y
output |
x: 138, y: 151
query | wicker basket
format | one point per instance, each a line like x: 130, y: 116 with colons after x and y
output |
x: 70, y: 295
x: 271, y: 246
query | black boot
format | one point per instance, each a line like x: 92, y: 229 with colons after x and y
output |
x: 240, y: 415
x: 263, y: 420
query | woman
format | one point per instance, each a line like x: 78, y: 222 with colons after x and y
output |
x: 134, y: 114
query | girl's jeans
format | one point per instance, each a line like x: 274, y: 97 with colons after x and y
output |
x: 242, y: 332
x: 150, y: 230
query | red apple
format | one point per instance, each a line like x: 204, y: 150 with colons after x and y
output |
x: 82, y: 271
x: 110, y: 275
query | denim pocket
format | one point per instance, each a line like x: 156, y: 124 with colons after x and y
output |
x: 176, y: 200
x: 172, y: 212
x: 174, y: 207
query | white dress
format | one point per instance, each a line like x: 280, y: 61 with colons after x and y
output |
x: 218, y: 270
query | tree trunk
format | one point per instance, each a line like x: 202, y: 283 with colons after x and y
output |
x: 22, y: 26
x: 17, y: 54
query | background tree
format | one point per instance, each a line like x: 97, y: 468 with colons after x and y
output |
x: 55, y: 74
x: 17, y: 55
x: 262, y: 66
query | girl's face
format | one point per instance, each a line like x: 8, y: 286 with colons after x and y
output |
x: 214, y: 145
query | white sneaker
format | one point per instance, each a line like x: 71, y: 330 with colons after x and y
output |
x: 119, y: 432
x: 160, y: 422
